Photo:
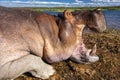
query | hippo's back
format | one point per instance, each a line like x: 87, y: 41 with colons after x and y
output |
x: 17, y: 27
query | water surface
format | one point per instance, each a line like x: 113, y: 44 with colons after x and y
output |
x: 113, y: 18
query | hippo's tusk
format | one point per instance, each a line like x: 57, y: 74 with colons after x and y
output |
x: 93, y: 52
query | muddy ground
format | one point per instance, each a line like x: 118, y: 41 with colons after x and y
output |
x: 107, y: 68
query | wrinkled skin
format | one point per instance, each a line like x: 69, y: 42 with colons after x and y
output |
x: 28, y: 39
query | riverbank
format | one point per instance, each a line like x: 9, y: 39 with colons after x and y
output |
x: 107, y: 68
x: 61, y: 9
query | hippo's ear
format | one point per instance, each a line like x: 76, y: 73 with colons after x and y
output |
x: 67, y: 14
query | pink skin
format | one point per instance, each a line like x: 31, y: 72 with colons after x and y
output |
x: 83, y: 55
x: 79, y: 54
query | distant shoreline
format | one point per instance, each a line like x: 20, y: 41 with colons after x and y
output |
x: 112, y: 22
x: 60, y: 9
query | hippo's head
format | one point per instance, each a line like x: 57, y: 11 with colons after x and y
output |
x: 93, y: 19
x: 74, y: 29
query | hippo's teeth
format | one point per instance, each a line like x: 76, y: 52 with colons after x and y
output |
x: 93, y: 52
x: 93, y: 58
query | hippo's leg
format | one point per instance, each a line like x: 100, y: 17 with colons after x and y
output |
x: 28, y: 63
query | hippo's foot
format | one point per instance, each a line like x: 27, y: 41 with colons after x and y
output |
x: 43, y: 73
x: 28, y: 63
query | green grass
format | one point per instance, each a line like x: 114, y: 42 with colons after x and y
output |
x: 61, y: 9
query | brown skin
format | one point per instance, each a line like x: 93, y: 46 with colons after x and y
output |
x: 27, y: 36
x: 92, y: 19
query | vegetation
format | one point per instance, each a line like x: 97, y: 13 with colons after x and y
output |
x: 60, y: 9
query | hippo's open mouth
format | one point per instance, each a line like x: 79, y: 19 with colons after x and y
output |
x: 84, y: 55
x: 89, y: 56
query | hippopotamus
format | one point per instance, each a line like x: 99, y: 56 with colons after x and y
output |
x: 30, y: 41
x: 94, y: 20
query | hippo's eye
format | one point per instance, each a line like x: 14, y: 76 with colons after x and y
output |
x: 68, y: 14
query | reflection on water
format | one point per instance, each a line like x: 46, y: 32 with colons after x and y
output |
x: 112, y: 18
